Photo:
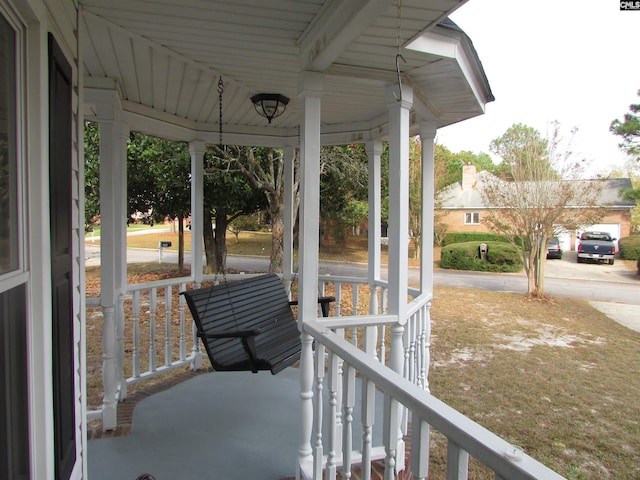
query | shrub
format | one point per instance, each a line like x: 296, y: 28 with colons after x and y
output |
x: 502, y: 257
x: 630, y: 247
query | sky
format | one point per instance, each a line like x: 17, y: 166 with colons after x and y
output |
x: 572, y: 61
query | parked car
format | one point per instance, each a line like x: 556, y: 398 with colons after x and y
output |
x: 554, y: 248
x: 596, y: 246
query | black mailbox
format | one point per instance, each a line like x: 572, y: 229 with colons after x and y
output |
x: 163, y: 244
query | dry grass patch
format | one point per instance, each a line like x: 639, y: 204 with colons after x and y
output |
x: 557, y: 378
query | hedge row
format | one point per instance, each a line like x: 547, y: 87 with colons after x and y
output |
x: 501, y: 257
x: 461, y: 237
x: 630, y: 247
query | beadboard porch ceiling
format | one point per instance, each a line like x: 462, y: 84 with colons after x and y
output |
x: 166, y: 58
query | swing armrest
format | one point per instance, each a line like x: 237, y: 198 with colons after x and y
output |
x: 323, y: 301
x: 231, y: 334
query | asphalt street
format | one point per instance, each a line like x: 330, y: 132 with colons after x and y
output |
x: 612, y: 289
x: 564, y: 278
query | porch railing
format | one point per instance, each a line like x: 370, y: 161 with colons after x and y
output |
x: 405, y: 404
x: 359, y: 340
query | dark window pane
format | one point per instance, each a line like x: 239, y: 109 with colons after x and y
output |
x: 9, y: 252
x: 14, y: 423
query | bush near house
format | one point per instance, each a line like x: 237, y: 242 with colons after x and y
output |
x: 461, y: 237
x: 630, y: 247
x: 501, y: 257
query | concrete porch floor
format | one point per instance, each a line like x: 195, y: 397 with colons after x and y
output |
x: 215, y: 425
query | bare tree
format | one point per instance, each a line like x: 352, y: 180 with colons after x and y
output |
x: 263, y: 168
x: 538, y: 194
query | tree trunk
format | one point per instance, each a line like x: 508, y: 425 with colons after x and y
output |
x: 209, y: 243
x: 416, y: 246
x: 530, y: 269
x: 277, y: 239
x: 220, y: 237
x: 541, y: 262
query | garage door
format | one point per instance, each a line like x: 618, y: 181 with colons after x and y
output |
x: 565, y: 240
x: 612, y: 229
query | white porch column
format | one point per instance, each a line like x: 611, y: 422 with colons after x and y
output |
x: 399, y: 204
x: 427, y: 139
x: 374, y: 150
x: 197, y: 149
x: 113, y: 251
x: 289, y: 214
x: 310, y: 87
x: 399, y: 115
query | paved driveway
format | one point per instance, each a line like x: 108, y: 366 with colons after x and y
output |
x: 626, y: 314
x: 568, y: 267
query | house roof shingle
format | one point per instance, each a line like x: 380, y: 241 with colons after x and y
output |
x: 455, y: 196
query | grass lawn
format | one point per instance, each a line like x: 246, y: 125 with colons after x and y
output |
x: 558, y: 378
x: 134, y: 227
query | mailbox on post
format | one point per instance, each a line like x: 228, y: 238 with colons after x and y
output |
x: 483, y: 250
x: 162, y: 244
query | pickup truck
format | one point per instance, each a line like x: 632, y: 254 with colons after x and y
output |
x: 597, y: 246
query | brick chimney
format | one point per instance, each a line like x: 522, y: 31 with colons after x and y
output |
x: 468, y: 177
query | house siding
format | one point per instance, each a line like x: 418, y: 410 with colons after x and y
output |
x: 59, y: 18
x: 466, y: 196
x: 454, y: 219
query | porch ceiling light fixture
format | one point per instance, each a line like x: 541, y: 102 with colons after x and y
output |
x: 270, y: 105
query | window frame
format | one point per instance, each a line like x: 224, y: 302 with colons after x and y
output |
x: 15, y: 282
x: 19, y: 274
x: 471, y: 216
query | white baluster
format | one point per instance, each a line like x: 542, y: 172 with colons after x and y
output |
x: 183, y: 336
x: 339, y: 420
x: 384, y: 297
x: 427, y: 346
x: 417, y: 345
x: 368, y: 420
x: 390, y: 436
x: 318, y: 455
x: 135, y: 309
x: 384, y: 300
x: 407, y: 340
x: 419, y: 448
x: 383, y: 344
x: 373, y: 300
x: 152, y: 330
x: 457, y: 462
x: 330, y: 470
x: 196, y: 353
x: 355, y: 291
x: 338, y: 289
x: 168, y: 302
x: 349, y: 400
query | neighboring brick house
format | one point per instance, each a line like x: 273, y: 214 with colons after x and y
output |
x: 462, y: 207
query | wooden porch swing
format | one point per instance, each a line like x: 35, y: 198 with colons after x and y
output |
x: 248, y: 324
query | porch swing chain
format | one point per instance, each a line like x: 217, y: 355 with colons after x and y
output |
x: 220, y: 91
x: 398, y: 48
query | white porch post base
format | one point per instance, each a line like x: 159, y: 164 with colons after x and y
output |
x: 305, y: 458
x: 109, y: 375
